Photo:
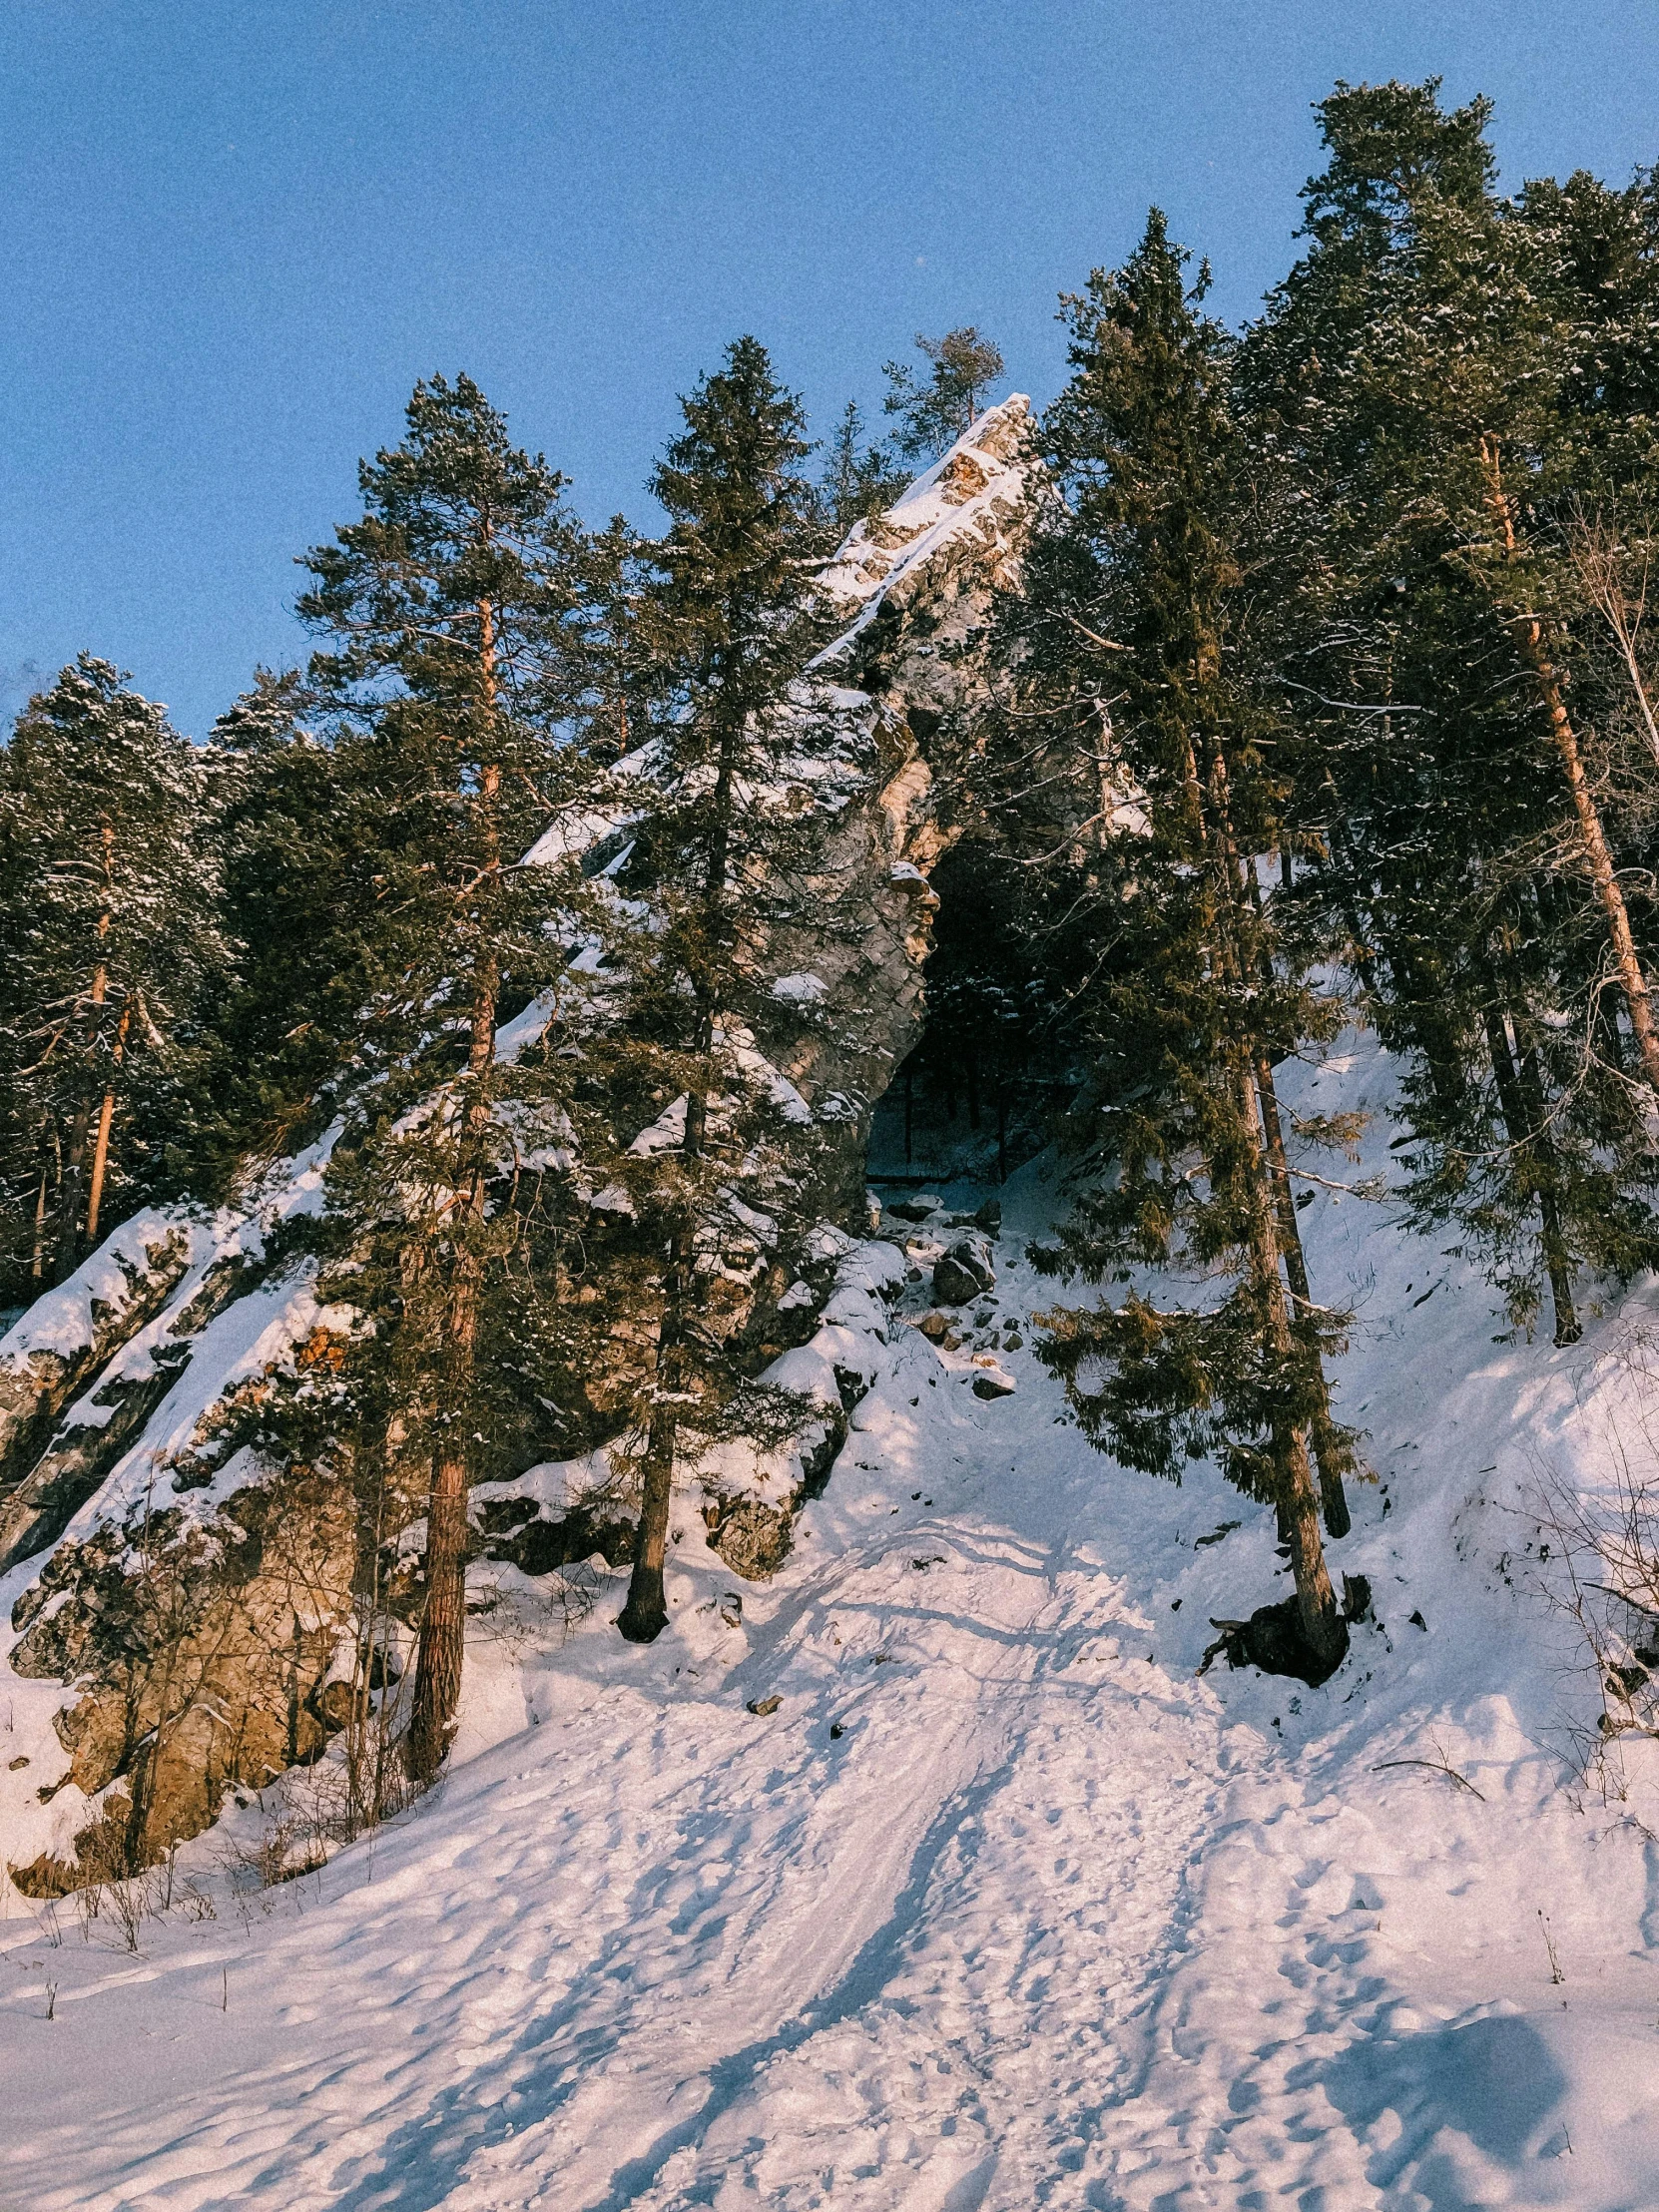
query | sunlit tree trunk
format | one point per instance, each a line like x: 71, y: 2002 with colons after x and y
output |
x: 101, y: 1147
x: 1298, y: 1499
x: 1527, y: 632
x: 438, y: 1666
x: 644, y: 1613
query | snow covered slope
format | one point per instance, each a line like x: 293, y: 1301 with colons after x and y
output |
x: 999, y: 1906
x: 122, y: 1393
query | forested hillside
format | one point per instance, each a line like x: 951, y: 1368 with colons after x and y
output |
x: 1097, y: 913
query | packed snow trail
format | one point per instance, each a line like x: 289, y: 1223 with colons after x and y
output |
x: 1001, y: 1905
x: 777, y: 1957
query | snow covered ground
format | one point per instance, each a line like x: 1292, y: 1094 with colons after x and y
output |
x: 1000, y: 1905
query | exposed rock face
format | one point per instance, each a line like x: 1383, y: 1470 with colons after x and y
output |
x: 73, y: 1331
x: 515, y: 1530
x: 749, y: 1500
x: 197, y: 1655
x: 993, y: 1382
x: 191, y: 1600
x: 80, y: 1454
x: 754, y: 1539
x: 916, y: 583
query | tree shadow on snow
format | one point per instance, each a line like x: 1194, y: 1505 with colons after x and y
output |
x: 1493, y: 2081
x: 420, y: 2165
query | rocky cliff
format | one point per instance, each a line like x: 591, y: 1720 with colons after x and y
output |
x: 174, y: 1608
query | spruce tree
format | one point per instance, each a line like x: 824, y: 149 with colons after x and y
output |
x: 113, y: 952
x: 733, y: 622
x: 1418, y: 350
x: 300, y: 910
x: 934, y: 410
x: 1196, y: 993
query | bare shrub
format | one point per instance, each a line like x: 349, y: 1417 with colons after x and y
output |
x: 1598, y: 1564
x: 130, y: 1904
x: 89, y: 1904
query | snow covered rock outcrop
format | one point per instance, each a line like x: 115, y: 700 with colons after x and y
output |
x: 169, y: 1608
x: 965, y: 1272
x: 171, y: 1604
x: 70, y: 1333
x: 915, y: 586
x: 568, y: 1510
x: 750, y: 1495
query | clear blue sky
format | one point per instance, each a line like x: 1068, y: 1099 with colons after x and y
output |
x: 237, y: 231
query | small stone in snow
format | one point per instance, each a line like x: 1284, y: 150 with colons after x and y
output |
x: 915, y: 1209
x: 964, y: 1273
x: 989, y: 1383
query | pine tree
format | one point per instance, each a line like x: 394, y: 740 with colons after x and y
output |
x: 452, y: 607
x: 300, y: 910
x: 860, y: 479
x: 733, y: 622
x: 113, y: 951
x: 1419, y: 342
x: 934, y: 411
x: 1195, y: 995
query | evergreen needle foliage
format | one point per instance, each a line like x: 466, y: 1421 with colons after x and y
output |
x: 1195, y: 991
x: 733, y: 619
x: 1322, y: 693
x: 111, y: 950
x: 932, y: 410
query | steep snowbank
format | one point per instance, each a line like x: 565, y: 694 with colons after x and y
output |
x: 999, y: 1906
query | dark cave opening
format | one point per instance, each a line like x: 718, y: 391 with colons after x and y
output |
x: 975, y: 1099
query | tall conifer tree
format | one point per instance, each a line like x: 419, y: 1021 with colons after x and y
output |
x: 734, y: 621
x: 1199, y: 999
x: 451, y: 604
x: 113, y: 949
x: 1406, y: 391
x: 301, y: 913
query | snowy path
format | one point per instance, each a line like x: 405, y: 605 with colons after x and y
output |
x: 1047, y: 1922
x: 793, y: 1965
